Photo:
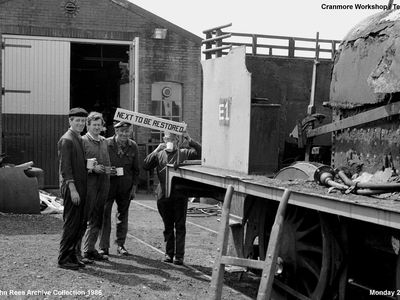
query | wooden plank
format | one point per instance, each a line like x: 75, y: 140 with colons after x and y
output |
x: 223, y: 236
x: 359, y: 119
x: 216, y: 38
x: 16, y: 91
x: 17, y: 46
x: 242, y: 262
x: 280, y: 37
x: 217, y: 49
x: 254, y: 45
x: 380, y: 211
x: 268, y: 275
x: 216, y: 28
x: 37, y: 79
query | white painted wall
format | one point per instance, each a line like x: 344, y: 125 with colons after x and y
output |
x: 226, y: 146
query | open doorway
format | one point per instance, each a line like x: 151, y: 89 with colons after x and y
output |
x: 97, y: 73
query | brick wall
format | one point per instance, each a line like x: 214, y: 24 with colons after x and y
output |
x: 174, y: 60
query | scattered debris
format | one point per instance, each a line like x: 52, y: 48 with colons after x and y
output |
x: 203, y: 210
x: 50, y: 204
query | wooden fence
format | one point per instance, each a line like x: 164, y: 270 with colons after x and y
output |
x: 218, y: 42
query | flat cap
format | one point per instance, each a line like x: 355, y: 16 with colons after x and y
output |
x: 121, y: 124
x: 77, y: 112
x: 170, y: 135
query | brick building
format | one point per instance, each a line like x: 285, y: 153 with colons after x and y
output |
x: 96, y: 54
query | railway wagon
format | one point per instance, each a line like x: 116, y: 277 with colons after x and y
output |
x: 335, y: 245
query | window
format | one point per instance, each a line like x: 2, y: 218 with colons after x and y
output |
x: 166, y: 103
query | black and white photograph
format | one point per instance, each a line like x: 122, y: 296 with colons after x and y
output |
x: 196, y: 150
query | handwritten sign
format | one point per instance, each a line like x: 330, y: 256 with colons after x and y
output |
x: 149, y: 121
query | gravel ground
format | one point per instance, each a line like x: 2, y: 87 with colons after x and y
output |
x: 29, y: 249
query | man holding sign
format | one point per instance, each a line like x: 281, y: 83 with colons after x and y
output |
x: 124, y: 157
x: 173, y: 209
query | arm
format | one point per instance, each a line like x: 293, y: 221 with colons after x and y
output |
x: 135, y: 165
x: 194, y: 152
x: 75, y: 198
x: 65, y: 153
x: 151, y: 160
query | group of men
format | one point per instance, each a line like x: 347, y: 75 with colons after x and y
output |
x: 89, y: 192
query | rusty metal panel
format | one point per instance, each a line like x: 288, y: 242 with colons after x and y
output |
x: 374, y: 145
x: 264, y: 139
x: 287, y: 81
x: 367, y: 66
x: 36, y: 76
x: 226, y: 112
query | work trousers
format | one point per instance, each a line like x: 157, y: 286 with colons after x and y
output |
x: 173, y: 213
x: 97, y: 192
x: 72, y: 229
x: 120, y: 193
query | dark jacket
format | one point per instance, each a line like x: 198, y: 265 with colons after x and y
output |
x: 72, y: 163
x: 160, y: 160
x: 129, y: 161
x: 96, y: 149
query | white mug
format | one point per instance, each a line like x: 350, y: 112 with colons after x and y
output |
x: 91, y: 162
x: 169, y: 146
x: 120, y: 171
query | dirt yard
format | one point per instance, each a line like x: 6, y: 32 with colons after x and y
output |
x: 29, y: 249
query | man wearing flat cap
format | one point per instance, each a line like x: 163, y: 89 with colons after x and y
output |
x: 124, y: 158
x: 172, y: 209
x: 73, y: 179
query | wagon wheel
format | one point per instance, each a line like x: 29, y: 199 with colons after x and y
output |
x: 305, y: 256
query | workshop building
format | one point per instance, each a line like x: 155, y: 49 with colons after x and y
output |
x: 98, y: 55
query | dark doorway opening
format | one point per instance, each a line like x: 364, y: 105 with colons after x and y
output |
x: 97, y: 73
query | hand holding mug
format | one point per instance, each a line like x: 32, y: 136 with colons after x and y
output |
x: 113, y: 171
x: 90, y: 163
x: 99, y: 169
x: 160, y: 147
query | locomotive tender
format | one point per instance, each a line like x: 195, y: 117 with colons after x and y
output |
x: 334, y: 245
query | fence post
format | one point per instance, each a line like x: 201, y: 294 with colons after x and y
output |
x: 254, y: 44
x: 291, y: 47
x: 333, y: 49
x: 317, y: 46
x: 218, y: 43
x: 208, y: 44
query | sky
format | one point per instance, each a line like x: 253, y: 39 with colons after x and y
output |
x: 272, y: 17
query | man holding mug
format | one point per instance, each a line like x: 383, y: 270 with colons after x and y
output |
x: 98, y: 184
x: 124, y: 157
x: 172, y: 209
